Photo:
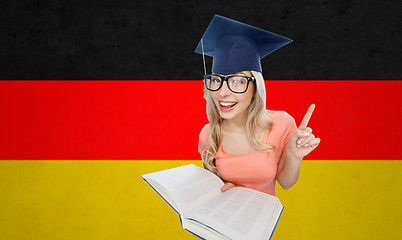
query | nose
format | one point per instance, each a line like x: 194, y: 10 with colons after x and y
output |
x: 224, y: 91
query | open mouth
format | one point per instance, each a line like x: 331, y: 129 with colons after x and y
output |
x: 227, y: 106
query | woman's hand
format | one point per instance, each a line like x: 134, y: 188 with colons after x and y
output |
x: 302, y: 141
x: 227, y: 186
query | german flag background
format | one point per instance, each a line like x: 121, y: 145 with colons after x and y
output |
x: 95, y: 94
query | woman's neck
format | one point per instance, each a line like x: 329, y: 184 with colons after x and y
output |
x: 235, y: 124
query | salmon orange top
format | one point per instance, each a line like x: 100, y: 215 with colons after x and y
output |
x: 256, y: 170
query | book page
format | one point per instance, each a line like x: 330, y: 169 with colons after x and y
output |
x: 201, y: 230
x: 239, y: 213
x: 188, y: 186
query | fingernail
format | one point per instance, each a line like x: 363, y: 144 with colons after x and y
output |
x: 306, y: 145
x: 298, y: 142
x: 298, y: 146
x: 306, y: 133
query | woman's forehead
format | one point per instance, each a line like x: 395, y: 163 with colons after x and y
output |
x: 245, y: 73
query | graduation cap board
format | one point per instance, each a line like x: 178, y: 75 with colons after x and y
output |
x: 237, y: 46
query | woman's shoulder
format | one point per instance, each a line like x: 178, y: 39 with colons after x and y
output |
x: 203, y: 142
x: 204, y: 133
x: 283, y: 126
x: 282, y: 120
x: 205, y: 129
x: 280, y: 116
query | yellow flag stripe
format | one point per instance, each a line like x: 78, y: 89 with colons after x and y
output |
x: 109, y: 200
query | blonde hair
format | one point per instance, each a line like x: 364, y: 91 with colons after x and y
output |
x: 257, y: 117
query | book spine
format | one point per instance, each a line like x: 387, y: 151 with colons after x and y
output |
x: 277, y: 220
x: 161, y: 196
x: 194, y: 234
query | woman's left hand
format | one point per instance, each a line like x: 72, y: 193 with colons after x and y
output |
x: 302, y: 141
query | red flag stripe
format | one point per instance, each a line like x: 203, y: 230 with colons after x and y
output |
x: 357, y: 120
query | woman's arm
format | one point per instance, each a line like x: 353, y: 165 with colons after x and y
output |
x: 288, y: 170
x: 299, y: 144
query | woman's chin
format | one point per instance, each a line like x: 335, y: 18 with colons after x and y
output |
x: 226, y: 115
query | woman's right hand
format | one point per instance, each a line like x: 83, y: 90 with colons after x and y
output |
x: 227, y: 186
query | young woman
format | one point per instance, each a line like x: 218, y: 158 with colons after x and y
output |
x: 245, y: 144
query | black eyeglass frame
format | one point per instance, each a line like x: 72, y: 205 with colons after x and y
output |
x: 226, y: 79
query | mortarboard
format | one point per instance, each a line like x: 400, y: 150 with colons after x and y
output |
x: 237, y: 46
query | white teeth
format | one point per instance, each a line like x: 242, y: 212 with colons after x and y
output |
x: 226, y: 104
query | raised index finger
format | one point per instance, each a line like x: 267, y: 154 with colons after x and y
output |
x: 307, y: 117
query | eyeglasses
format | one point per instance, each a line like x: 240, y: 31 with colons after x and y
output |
x: 236, y: 83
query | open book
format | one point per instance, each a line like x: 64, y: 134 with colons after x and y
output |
x: 194, y: 193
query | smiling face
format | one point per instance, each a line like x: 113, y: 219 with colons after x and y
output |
x: 233, y: 105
